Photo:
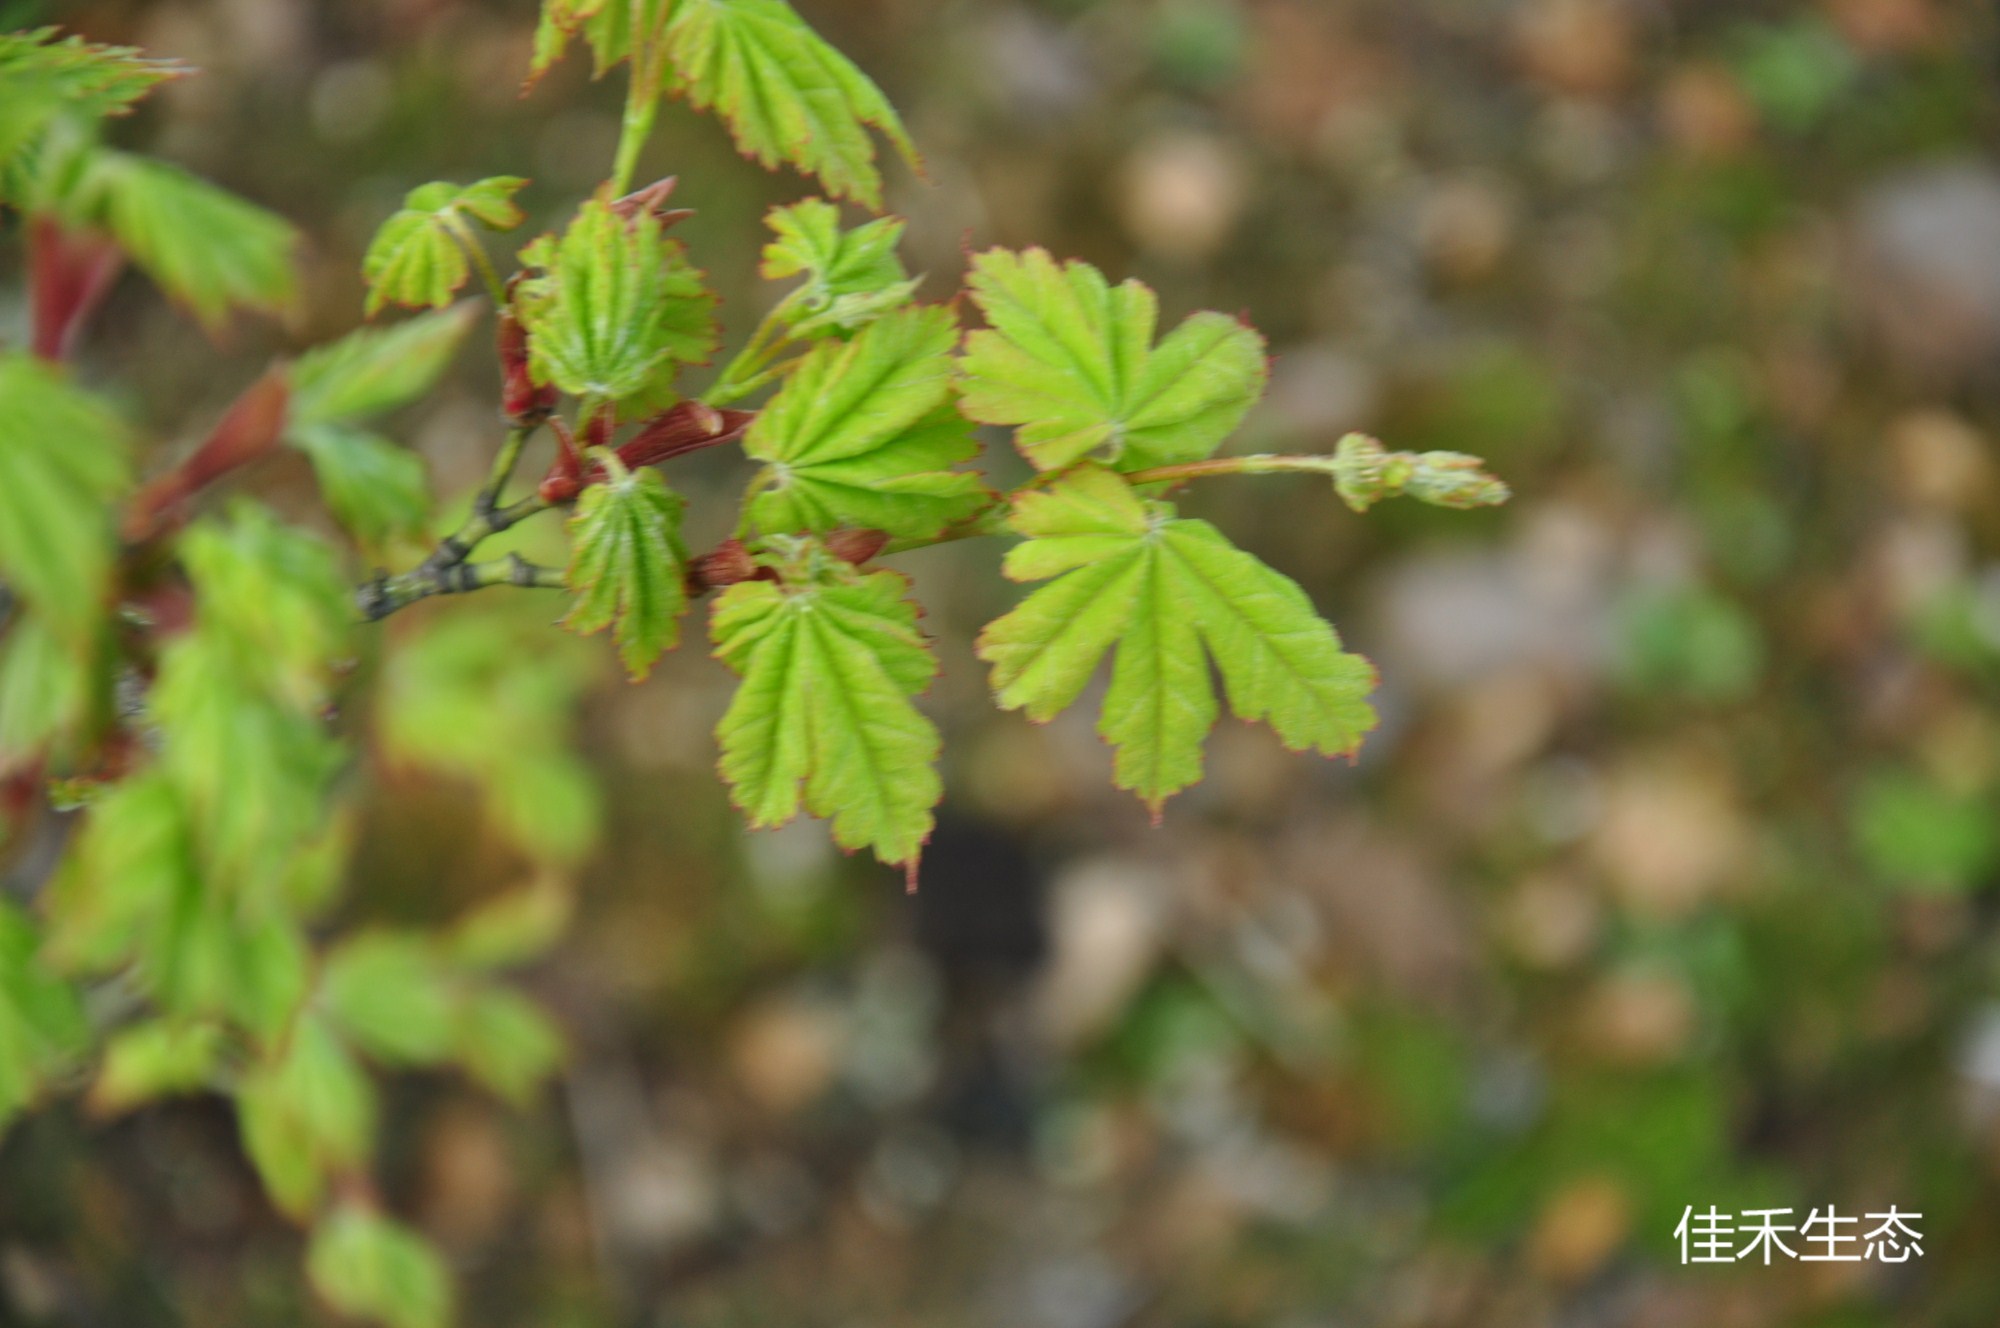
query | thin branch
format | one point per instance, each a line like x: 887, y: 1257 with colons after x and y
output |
x: 503, y: 469
x: 390, y: 594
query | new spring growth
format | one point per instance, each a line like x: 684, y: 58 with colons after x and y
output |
x: 1365, y: 472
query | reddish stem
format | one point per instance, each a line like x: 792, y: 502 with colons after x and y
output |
x: 249, y: 429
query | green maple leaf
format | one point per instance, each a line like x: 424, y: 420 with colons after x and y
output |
x: 372, y: 370
x: 786, y: 94
x: 852, y: 277
x: 627, y: 565
x: 62, y: 461
x: 419, y: 256
x: 617, y: 310
x: 863, y: 435
x: 1070, y: 359
x: 1169, y: 593
x: 828, y: 667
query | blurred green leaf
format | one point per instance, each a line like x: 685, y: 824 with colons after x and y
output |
x: 308, y: 1113
x: 42, y: 1024
x: 507, y: 1043
x: 160, y: 1058
x: 43, y: 78
x: 204, y: 246
x: 43, y: 687
x: 1070, y: 359
x: 513, y: 929
x: 379, y: 491
x: 491, y: 700
x: 372, y: 370
x: 373, y: 1268
x: 392, y: 995
x: 62, y: 462
x: 1688, y: 641
x: 1919, y: 836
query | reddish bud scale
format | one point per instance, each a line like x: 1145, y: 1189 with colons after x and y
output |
x: 70, y: 274
x: 522, y: 400
x: 856, y: 546
x: 689, y: 426
x: 249, y: 429
x: 653, y: 198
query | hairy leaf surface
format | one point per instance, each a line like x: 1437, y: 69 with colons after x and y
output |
x: 863, y: 435
x: 628, y: 565
x: 617, y: 310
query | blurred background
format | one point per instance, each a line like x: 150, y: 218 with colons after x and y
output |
x: 1667, y: 881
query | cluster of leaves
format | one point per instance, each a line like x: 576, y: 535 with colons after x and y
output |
x: 184, y: 677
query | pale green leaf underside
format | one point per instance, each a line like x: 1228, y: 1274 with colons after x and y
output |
x: 627, y: 566
x: 1170, y: 594
x: 862, y: 435
x: 785, y: 93
x: 823, y: 715
x: 1069, y: 360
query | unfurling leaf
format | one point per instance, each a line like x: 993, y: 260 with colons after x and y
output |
x: 62, y: 461
x: 373, y: 1268
x: 372, y: 370
x: 418, y: 257
x: 1170, y: 593
x: 627, y: 565
x: 1365, y: 472
x: 852, y: 277
x: 1070, y: 360
x: 616, y: 310
x: 829, y: 665
x: 863, y: 435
